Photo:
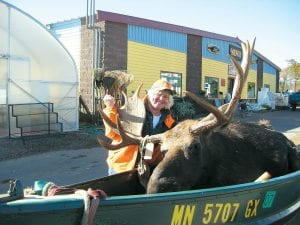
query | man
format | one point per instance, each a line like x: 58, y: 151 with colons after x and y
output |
x: 158, y: 102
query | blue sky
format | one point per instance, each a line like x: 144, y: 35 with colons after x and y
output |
x: 274, y: 23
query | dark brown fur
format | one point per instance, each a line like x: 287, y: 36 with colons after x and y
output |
x: 230, y: 154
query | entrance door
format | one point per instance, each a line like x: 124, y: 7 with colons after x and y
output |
x: 3, y: 96
x: 4, y: 49
x: 230, y: 85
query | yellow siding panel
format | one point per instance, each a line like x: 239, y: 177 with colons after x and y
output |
x: 212, y: 68
x: 270, y: 80
x: 146, y: 62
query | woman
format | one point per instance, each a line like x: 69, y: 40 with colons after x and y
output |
x: 158, y: 102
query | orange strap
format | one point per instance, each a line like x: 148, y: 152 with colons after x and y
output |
x: 169, y: 121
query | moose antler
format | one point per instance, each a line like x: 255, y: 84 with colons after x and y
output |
x: 129, y: 123
x: 133, y: 113
x: 215, y: 118
x: 242, y: 70
x: 127, y: 138
x: 242, y: 74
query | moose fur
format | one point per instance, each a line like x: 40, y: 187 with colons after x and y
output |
x: 230, y: 154
x: 214, y: 151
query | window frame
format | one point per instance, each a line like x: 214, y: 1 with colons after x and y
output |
x: 175, y: 79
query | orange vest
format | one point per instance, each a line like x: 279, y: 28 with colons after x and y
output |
x: 125, y: 158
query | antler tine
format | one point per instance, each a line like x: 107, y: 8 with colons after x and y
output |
x: 126, y: 139
x: 107, y: 120
x: 241, y: 76
x: 138, y: 90
x: 219, y: 117
x: 125, y: 101
x: 136, y: 94
x: 104, y: 141
x: 208, y: 122
x: 209, y: 107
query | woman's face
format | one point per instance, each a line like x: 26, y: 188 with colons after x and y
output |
x: 159, y: 100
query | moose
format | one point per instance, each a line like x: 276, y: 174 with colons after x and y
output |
x: 213, y: 151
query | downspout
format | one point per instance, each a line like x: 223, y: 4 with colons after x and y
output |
x: 90, y: 24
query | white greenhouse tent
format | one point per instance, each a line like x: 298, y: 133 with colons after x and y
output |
x: 38, y: 78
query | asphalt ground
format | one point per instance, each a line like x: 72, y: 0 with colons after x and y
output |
x: 285, y: 121
x: 74, y: 166
x: 60, y: 167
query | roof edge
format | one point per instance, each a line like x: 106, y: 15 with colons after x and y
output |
x: 121, y: 18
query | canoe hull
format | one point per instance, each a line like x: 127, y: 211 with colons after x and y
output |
x: 251, y: 203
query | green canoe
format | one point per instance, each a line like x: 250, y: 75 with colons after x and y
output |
x: 252, y: 203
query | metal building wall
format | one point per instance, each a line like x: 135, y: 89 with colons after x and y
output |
x: 158, y: 38
x: 151, y: 51
x: 69, y: 34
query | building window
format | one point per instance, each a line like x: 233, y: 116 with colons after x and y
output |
x: 251, y: 90
x: 175, y: 79
x: 211, y: 86
x: 231, y: 70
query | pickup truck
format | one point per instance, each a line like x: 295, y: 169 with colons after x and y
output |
x: 294, y: 100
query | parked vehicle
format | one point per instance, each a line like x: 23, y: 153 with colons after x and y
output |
x: 272, y: 201
x: 294, y: 100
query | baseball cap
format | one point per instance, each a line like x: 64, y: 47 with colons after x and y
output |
x: 161, y: 85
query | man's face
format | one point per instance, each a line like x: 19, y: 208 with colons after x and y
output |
x: 159, y: 100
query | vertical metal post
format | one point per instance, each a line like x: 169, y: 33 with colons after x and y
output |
x: 9, y: 121
x: 49, y: 117
x: 90, y: 24
x: 90, y: 14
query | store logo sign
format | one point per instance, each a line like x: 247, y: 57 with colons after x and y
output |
x: 213, y: 49
x: 235, y: 52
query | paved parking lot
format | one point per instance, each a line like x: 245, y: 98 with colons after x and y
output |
x: 60, y: 167
x: 286, y: 121
x: 73, y: 166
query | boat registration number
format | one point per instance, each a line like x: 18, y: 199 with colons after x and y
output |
x: 218, y: 212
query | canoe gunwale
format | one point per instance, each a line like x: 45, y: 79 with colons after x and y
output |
x: 253, y: 186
